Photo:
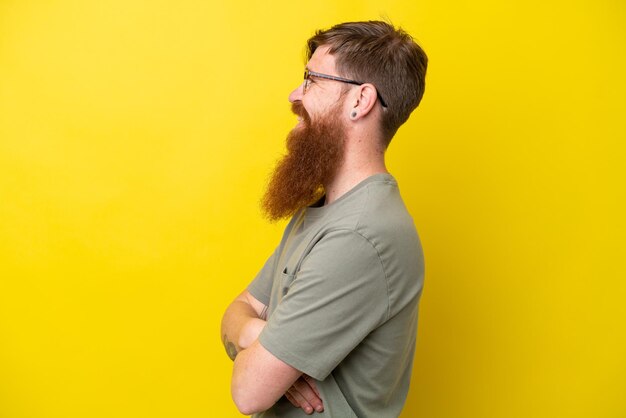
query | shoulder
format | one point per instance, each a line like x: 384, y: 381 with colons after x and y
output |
x: 375, y: 213
x: 384, y: 219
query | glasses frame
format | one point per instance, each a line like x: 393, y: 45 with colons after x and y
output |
x: 308, y: 73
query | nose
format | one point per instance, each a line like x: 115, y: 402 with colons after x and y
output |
x: 296, y: 95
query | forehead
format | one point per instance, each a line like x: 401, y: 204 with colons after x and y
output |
x: 321, y: 61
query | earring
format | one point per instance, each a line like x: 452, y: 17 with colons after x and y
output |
x: 353, y: 114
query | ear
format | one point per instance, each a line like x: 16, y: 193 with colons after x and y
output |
x: 363, y: 102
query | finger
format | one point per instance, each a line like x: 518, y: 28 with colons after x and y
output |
x: 310, y: 395
x: 306, y: 391
x: 311, y: 383
x: 306, y: 406
x: 292, y: 399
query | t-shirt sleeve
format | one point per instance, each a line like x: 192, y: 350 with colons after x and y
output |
x: 338, y: 296
x: 261, y: 286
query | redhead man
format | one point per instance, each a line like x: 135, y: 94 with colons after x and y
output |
x: 328, y: 326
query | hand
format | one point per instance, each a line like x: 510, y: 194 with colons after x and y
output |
x: 304, y: 394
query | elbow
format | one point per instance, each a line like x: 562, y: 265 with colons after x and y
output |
x: 248, y: 397
x: 243, y: 406
x: 245, y: 402
x: 255, y: 385
x: 245, y: 409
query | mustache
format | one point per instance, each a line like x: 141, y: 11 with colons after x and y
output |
x: 298, y: 109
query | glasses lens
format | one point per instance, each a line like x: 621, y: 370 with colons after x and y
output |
x: 305, y: 85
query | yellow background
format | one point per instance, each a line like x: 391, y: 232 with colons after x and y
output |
x: 136, y: 137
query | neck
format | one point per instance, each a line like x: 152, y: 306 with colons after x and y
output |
x: 358, y: 164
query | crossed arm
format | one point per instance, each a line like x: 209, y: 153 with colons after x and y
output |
x: 259, y: 378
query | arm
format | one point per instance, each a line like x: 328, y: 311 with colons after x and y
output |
x: 260, y: 379
x: 242, y: 323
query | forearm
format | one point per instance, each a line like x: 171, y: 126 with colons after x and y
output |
x: 241, y: 326
x: 259, y: 379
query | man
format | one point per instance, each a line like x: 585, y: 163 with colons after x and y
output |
x: 328, y: 326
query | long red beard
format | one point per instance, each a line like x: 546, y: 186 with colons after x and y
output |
x: 315, y: 151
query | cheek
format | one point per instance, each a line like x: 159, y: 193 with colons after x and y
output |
x: 308, y: 103
x: 309, y: 109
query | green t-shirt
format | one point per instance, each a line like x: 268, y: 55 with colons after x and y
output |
x: 342, y: 290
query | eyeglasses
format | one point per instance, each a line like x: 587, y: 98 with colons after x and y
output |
x: 308, y: 74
